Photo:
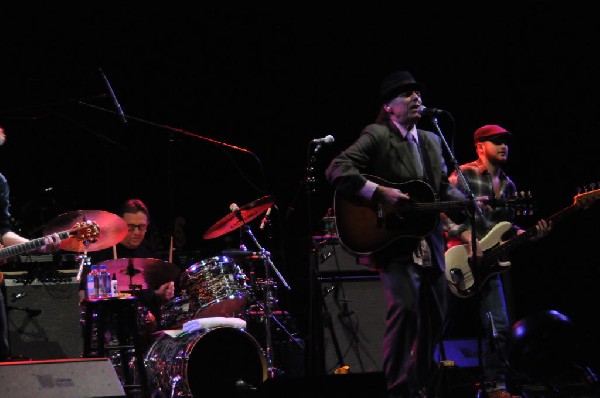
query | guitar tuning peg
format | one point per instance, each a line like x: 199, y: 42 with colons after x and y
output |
x: 578, y: 190
x: 592, y: 186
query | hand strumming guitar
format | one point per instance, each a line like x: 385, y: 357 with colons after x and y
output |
x: 388, y: 195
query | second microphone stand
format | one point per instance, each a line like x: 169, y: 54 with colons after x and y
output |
x: 269, y: 299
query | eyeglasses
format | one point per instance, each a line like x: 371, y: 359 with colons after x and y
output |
x: 140, y: 227
x: 498, y: 141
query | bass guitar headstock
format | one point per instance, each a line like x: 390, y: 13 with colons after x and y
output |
x: 587, y: 195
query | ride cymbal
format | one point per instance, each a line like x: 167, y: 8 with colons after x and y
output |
x: 112, y: 229
x: 239, y: 216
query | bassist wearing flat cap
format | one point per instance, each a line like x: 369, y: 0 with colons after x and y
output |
x: 486, y: 177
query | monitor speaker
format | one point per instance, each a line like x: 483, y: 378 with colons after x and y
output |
x: 44, y: 320
x: 61, y: 378
x: 354, y: 315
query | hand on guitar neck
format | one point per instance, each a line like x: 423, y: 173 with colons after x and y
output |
x: 48, y: 244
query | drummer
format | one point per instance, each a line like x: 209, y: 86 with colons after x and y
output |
x: 134, y: 245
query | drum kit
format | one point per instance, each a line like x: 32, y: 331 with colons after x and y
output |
x: 219, y: 286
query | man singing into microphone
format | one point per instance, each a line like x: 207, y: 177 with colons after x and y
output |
x: 387, y: 154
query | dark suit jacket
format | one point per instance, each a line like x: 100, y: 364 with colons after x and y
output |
x: 381, y: 150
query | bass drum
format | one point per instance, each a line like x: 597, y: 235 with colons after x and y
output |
x: 193, y: 364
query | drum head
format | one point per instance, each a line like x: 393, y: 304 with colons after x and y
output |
x: 194, y: 364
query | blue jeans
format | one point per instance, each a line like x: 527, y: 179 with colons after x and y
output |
x: 493, y: 303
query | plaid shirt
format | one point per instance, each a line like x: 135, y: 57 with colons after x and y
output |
x: 480, y: 181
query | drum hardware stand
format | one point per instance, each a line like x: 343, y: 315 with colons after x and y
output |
x: 272, y: 371
x: 83, y: 260
x: 131, y: 271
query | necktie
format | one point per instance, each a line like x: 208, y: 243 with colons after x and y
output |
x: 415, y: 155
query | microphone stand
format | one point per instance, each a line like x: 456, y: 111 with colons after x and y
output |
x: 318, y: 310
x: 474, y: 210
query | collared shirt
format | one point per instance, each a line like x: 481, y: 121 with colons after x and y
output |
x: 480, y: 182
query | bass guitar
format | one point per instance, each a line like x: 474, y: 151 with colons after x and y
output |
x: 459, y: 273
x: 81, y: 231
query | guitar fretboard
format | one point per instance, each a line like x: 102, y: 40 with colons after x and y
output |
x: 28, y: 246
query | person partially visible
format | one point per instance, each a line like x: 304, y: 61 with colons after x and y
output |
x: 134, y: 245
x: 10, y: 238
x: 486, y: 177
x: 374, y: 169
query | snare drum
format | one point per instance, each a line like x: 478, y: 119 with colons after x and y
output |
x: 198, y: 363
x: 212, y: 287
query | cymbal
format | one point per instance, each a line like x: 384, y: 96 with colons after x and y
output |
x: 247, y: 213
x: 112, y: 229
x: 142, y: 273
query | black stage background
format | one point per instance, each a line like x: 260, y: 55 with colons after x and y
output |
x: 271, y: 79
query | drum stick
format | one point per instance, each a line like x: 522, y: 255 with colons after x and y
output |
x: 171, y: 250
x: 114, y: 252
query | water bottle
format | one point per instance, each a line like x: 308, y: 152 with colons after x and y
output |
x: 103, y: 281
x: 114, y: 286
x: 92, y: 283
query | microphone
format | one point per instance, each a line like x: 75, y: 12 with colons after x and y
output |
x: 423, y: 110
x: 325, y: 140
x: 265, y: 219
x: 114, y: 98
x: 236, y: 210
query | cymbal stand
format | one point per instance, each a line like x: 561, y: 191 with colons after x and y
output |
x: 131, y: 271
x: 265, y: 256
x: 83, y: 260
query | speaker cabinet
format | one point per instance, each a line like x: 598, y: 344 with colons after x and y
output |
x: 76, y: 378
x: 354, y: 315
x: 333, y: 258
x: 44, y: 320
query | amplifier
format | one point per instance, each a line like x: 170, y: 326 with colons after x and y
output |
x: 355, y: 318
x: 44, y: 319
x: 333, y: 258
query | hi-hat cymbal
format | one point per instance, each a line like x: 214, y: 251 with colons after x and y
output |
x: 142, y: 273
x: 112, y: 229
x: 233, y: 221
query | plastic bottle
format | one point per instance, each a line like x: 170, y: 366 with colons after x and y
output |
x: 103, y: 281
x: 114, y: 286
x: 92, y: 283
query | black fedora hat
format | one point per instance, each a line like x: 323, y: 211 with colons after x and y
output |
x: 397, y: 83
